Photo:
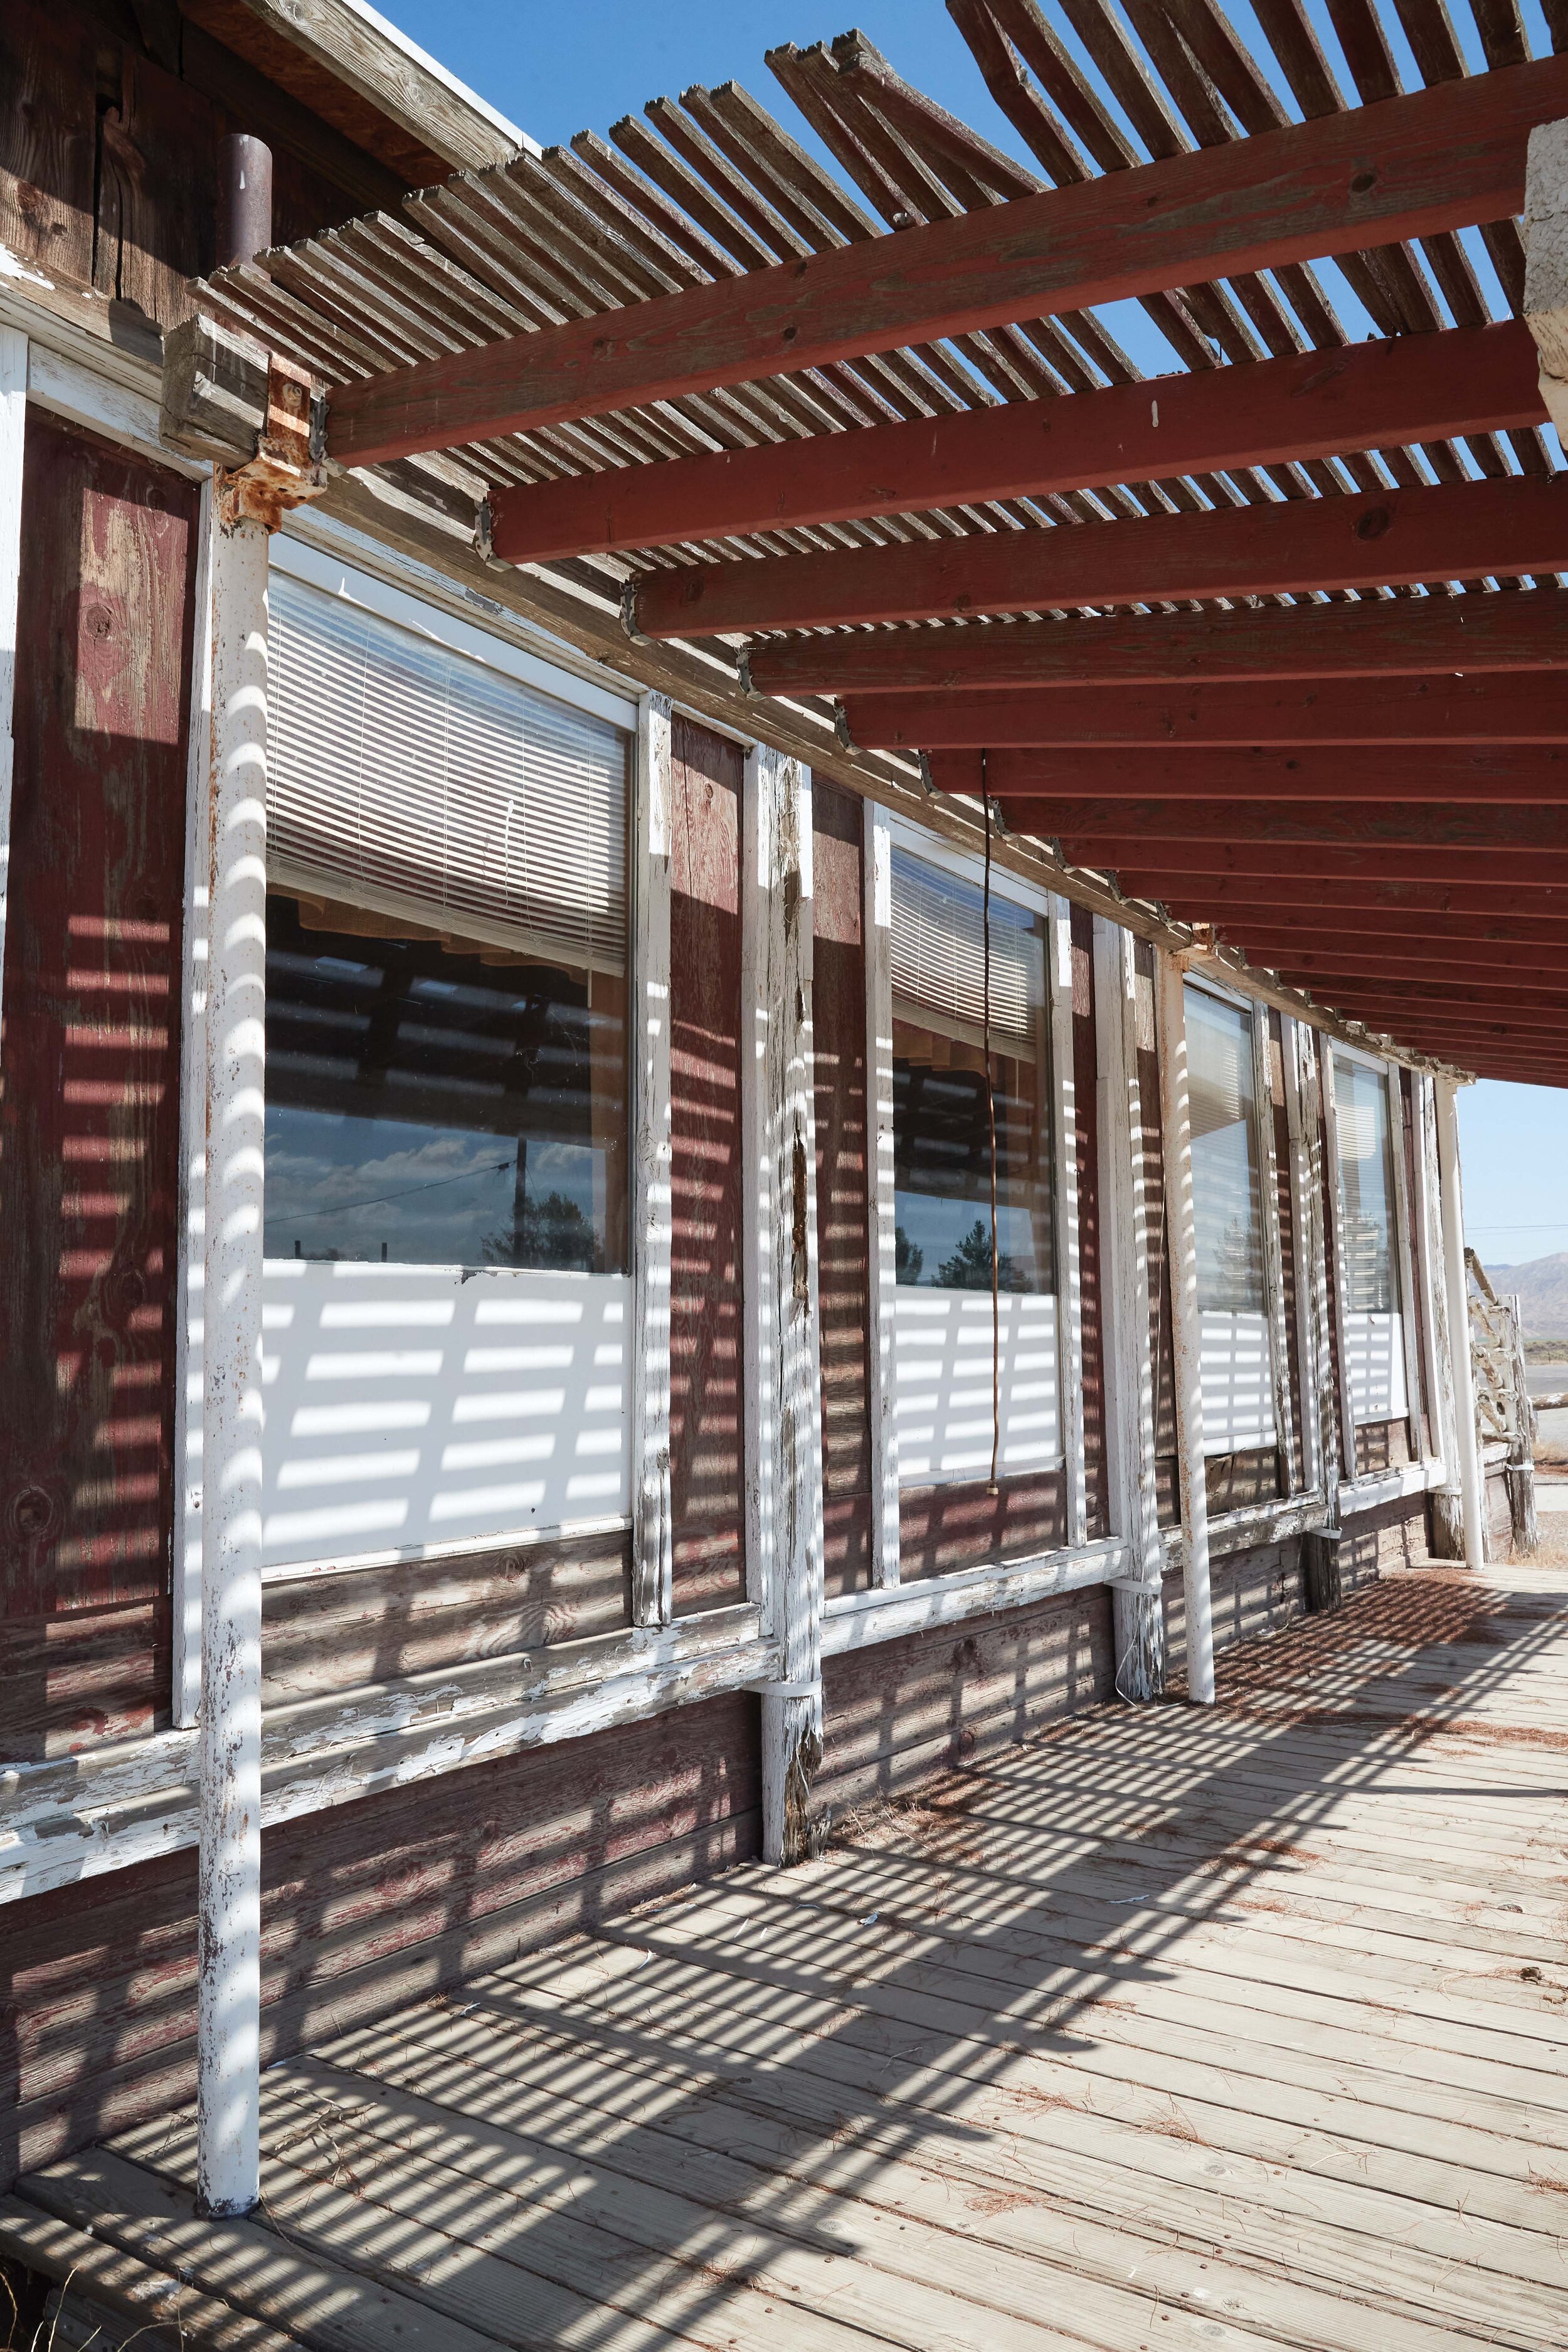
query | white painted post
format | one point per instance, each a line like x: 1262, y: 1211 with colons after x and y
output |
x: 229, y: 1916
x: 185, y: 1693
x: 1187, y: 1323
x: 876, y: 930
x: 1457, y: 1286
x: 783, y: 1384
x: 1273, y: 1245
x: 1334, y: 1251
x: 1064, y: 1171
x: 13, y: 442
x: 1137, y: 1603
x: 1429, y: 1238
x: 1405, y: 1261
x: 653, y: 1546
x: 1307, y: 1231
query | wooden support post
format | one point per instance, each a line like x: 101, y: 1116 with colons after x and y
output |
x: 1405, y: 1259
x: 13, y: 441
x: 881, y: 1195
x: 1333, y: 1209
x: 1457, y: 1286
x: 1447, y: 1506
x: 1064, y: 1171
x: 1187, y: 1323
x: 1307, y: 1225
x: 1136, y: 1602
x: 1273, y: 1245
x: 784, y: 1368
x: 185, y: 1678
x: 653, y: 1546
x: 230, y: 1916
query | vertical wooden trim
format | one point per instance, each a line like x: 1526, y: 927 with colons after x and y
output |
x: 1426, y: 1235
x: 185, y: 1676
x: 1064, y: 1186
x: 1136, y: 1605
x: 783, y: 1501
x: 1404, y: 1260
x: 1273, y: 1246
x: 1333, y: 1209
x: 229, y: 1912
x: 1456, y: 1282
x: 1186, y: 1322
x: 1307, y: 1226
x: 13, y: 447
x: 876, y: 930
x: 653, y: 1543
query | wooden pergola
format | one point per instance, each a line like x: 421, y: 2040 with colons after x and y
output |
x: 1258, y: 657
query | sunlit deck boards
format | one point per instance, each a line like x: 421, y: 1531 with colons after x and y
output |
x: 1167, y: 2031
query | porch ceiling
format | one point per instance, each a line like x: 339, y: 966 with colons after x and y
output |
x: 590, y: 341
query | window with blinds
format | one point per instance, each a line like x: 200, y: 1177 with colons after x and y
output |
x: 941, y: 1102
x: 446, y: 956
x: 1366, y: 1187
x: 1226, y: 1203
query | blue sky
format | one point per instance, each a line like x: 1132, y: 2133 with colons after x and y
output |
x: 556, y: 69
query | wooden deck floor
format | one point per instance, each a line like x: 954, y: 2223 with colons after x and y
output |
x: 1167, y: 2031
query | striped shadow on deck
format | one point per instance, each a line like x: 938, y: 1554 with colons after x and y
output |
x: 1167, y: 2030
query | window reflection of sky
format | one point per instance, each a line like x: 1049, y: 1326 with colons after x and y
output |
x: 349, y: 1187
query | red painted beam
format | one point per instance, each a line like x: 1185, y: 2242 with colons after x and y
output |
x: 1229, y: 895
x: 1162, y: 864
x: 1386, y: 394
x: 1459, y: 531
x: 1413, y: 636
x: 1512, y: 706
x: 1489, y: 991
x: 1439, y: 775
x: 1366, y: 823
x: 1437, y: 158
x: 1396, y: 928
x: 1405, y: 958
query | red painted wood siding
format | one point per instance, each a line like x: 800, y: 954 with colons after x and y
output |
x: 707, y: 1471
x: 90, y: 1117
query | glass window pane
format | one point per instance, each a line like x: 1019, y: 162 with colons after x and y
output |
x: 1226, y: 1196
x: 1366, y: 1187
x: 437, y: 1101
x: 941, y: 1122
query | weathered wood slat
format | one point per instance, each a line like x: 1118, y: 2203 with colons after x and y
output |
x: 1041, y: 788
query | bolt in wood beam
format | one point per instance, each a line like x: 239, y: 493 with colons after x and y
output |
x: 1374, y: 637
x: 1459, y: 531
x: 1386, y: 394
x: 1412, y: 166
x: 1511, y: 707
x: 1028, y: 782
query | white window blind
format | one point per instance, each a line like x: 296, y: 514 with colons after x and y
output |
x: 423, y: 781
x: 939, y: 953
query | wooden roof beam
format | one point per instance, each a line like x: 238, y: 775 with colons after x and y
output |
x: 1505, y: 707
x: 1459, y: 531
x: 1370, y: 822
x: 1403, y: 787
x: 1231, y: 896
x: 1388, y: 394
x: 1159, y: 865
x: 1307, y: 956
x: 1376, y: 636
x: 1412, y: 166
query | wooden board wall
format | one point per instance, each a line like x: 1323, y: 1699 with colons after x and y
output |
x: 366, y: 1907
x: 90, y: 1113
x: 707, y: 1471
x: 838, y: 1014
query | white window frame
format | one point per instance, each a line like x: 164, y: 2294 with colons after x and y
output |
x: 1401, y: 1267
x: 883, y: 832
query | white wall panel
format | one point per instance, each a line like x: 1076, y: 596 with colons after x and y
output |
x: 943, y: 1351
x: 1239, y: 1382
x: 408, y: 1407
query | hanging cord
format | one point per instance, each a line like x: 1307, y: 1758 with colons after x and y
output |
x: 991, y: 1112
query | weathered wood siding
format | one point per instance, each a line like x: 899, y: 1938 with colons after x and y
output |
x: 839, y: 1012
x: 366, y: 1907
x: 895, y: 1715
x: 89, y: 1115
x: 705, y: 1431
x: 1086, y: 1099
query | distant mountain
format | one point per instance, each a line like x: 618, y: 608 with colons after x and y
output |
x: 1543, y: 1287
